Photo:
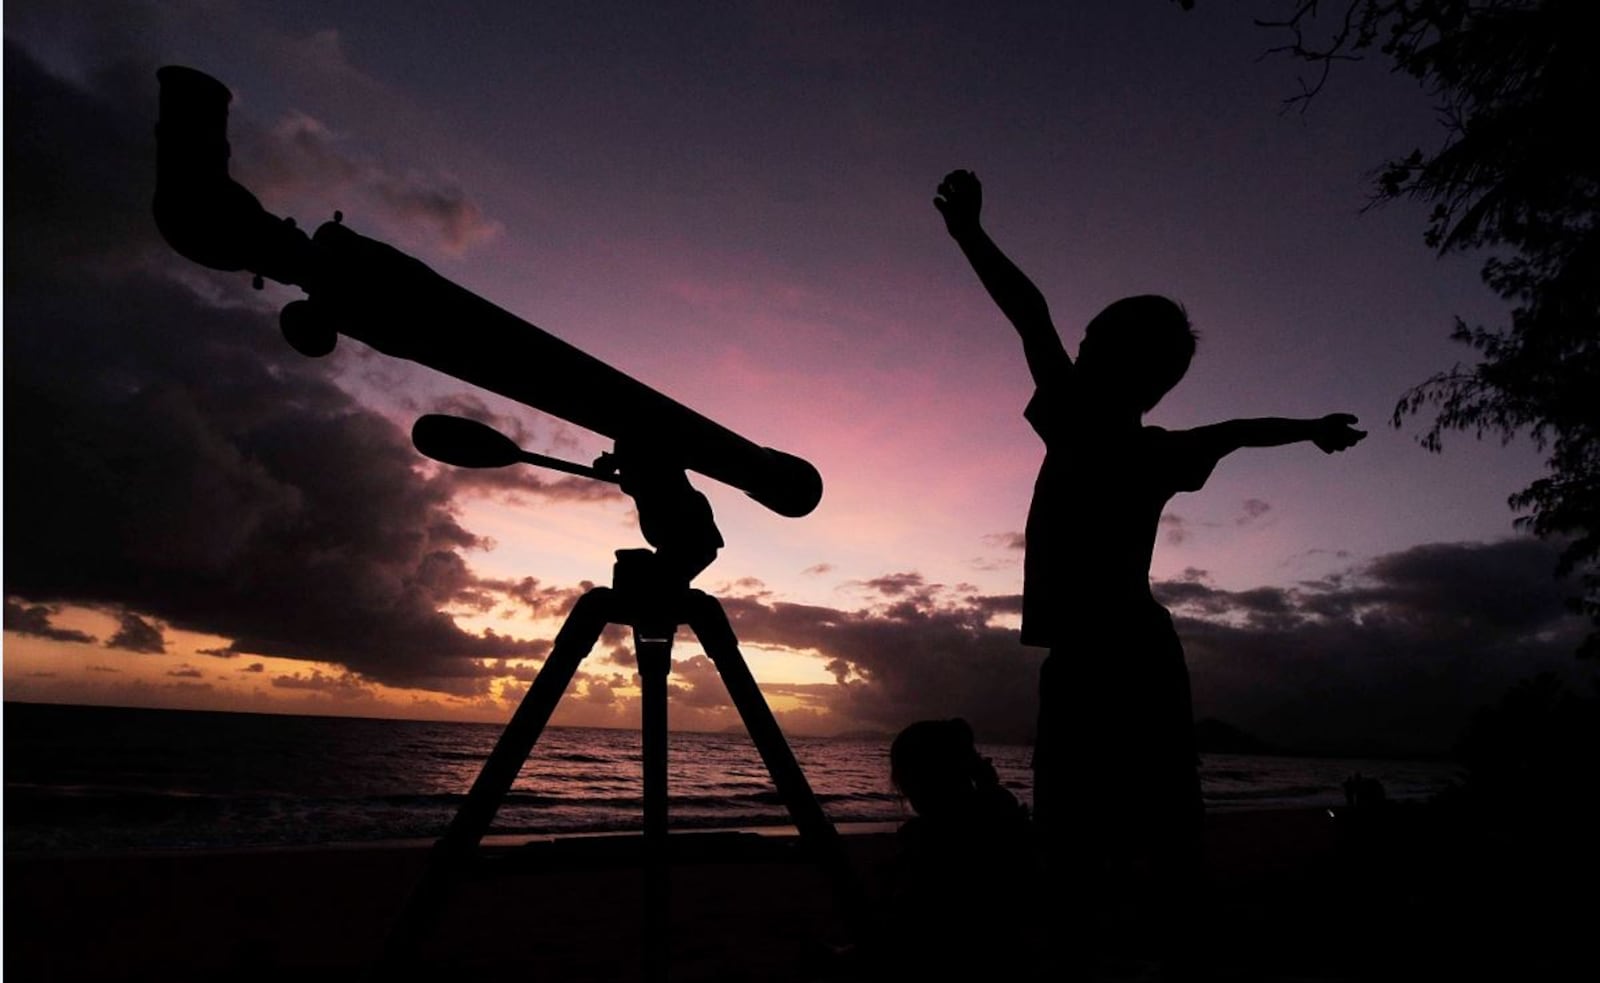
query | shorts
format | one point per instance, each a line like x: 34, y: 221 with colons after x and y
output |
x: 1115, y: 752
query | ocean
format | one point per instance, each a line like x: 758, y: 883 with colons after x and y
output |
x: 104, y: 779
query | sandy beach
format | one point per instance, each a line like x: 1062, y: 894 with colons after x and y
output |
x: 1295, y: 895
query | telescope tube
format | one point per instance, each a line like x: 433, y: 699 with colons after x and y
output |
x: 370, y: 291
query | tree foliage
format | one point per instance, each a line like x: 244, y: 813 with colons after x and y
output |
x: 1517, y: 178
x: 1535, y: 752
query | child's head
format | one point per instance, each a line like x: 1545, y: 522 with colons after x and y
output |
x: 1138, y: 347
x: 933, y: 763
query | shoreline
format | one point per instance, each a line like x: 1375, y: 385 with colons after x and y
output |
x: 745, y: 903
x: 1399, y: 892
x: 1215, y: 818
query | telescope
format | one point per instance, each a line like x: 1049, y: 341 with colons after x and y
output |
x: 394, y: 303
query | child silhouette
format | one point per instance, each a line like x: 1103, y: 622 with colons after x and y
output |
x: 1115, y: 770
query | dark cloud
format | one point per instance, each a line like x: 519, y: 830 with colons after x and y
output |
x: 518, y: 486
x: 1257, y: 607
x: 1006, y: 540
x: 34, y: 619
x: 344, y: 686
x: 1175, y: 528
x: 1394, y: 655
x: 989, y: 606
x: 601, y: 689
x: 1253, y: 509
x: 924, y: 657
x: 695, y: 682
x: 897, y: 584
x: 177, y: 459
x: 1389, y: 657
x: 551, y: 602
x: 620, y: 652
x: 186, y: 672
x: 814, y: 695
x: 255, y: 667
x: 137, y: 635
x: 299, y: 154
x: 1502, y: 587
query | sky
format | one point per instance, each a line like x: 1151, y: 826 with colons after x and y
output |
x: 732, y: 203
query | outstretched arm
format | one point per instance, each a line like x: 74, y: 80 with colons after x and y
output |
x: 959, y: 200
x: 1331, y: 433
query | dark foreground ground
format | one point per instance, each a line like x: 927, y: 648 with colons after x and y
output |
x: 1395, y: 893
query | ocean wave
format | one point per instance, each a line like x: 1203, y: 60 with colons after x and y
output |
x: 173, y: 780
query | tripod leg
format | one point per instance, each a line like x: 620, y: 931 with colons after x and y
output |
x: 710, y: 625
x: 654, y: 654
x: 578, y: 635
x: 655, y: 661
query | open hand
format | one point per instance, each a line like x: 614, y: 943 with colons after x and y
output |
x: 959, y: 200
x: 1335, y: 432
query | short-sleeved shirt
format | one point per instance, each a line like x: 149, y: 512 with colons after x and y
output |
x: 1095, y: 513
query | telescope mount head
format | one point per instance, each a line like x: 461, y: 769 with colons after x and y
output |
x: 674, y: 518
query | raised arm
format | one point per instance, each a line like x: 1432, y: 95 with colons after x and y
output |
x: 1331, y: 433
x: 960, y: 200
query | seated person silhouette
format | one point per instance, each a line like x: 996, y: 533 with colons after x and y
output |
x: 958, y: 889
x: 1115, y: 770
x: 953, y: 789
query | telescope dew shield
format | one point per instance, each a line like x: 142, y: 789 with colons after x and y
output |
x: 396, y: 304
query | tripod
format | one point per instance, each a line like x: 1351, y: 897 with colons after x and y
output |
x: 650, y: 593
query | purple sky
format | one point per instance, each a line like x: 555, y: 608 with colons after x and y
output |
x: 732, y: 203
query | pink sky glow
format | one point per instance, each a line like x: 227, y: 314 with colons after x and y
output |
x: 737, y: 213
